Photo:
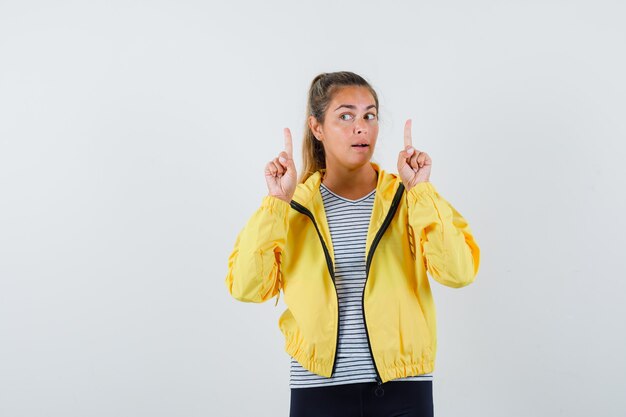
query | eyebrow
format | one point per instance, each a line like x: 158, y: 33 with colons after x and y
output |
x: 353, y: 107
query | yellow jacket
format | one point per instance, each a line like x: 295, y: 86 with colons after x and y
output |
x: 289, y: 247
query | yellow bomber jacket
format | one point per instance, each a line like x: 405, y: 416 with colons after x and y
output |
x: 288, y: 247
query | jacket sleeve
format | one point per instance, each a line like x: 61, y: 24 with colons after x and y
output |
x: 254, y: 264
x: 449, y: 251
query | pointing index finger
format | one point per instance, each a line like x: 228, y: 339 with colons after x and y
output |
x: 407, y: 134
x: 288, y: 144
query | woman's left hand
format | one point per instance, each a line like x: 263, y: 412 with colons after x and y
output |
x: 413, y: 165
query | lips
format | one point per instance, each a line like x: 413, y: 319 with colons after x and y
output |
x: 361, y: 145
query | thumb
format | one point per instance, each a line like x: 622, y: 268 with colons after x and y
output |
x: 284, y: 159
x: 402, y: 157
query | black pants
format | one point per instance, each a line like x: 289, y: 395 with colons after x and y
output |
x: 398, y: 399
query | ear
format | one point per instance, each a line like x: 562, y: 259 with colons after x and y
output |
x: 316, y: 128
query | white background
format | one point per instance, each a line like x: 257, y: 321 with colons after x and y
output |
x: 133, y: 140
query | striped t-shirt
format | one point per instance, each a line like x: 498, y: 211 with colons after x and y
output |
x: 348, y: 221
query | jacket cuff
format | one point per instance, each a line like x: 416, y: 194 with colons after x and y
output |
x: 275, y: 206
x: 421, y: 191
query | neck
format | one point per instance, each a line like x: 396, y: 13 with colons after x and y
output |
x: 350, y: 183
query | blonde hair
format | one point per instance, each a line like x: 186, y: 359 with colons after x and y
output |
x: 321, y: 92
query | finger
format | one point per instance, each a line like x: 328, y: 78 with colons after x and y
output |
x: 407, y: 134
x: 421, y: 159
x: 271, y: 169
x: 414, y: 160
x: 283, y: 158
x: 288, y: 143
x: 279, y: 166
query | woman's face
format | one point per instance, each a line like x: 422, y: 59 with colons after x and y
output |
x: 351, y: 121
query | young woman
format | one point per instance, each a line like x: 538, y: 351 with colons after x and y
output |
x: 350, y: 246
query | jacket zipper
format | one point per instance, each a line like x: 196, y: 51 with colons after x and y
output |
x: 379, y: 235
x: 392, y: 211
x: 329, y: 262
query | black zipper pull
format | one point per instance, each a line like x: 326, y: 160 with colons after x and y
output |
x: 379, y: 392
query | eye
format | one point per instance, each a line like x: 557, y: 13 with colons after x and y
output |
x: 345, y: 114
x: 373, y: 116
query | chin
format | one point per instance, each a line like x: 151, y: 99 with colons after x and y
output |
x: 354, y: 164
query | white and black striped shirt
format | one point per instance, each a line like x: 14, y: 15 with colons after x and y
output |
x: 348, y: 221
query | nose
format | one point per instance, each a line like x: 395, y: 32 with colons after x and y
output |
x: 360, y: 127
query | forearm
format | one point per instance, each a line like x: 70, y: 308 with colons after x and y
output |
x: 447, y: 243
x: 254, y: 264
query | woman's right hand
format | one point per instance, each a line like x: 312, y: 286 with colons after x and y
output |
x: 280, y: 173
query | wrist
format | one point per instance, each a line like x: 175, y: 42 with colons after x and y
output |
x: 410, y: 187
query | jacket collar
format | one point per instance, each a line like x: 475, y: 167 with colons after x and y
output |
x: 308, y: 195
